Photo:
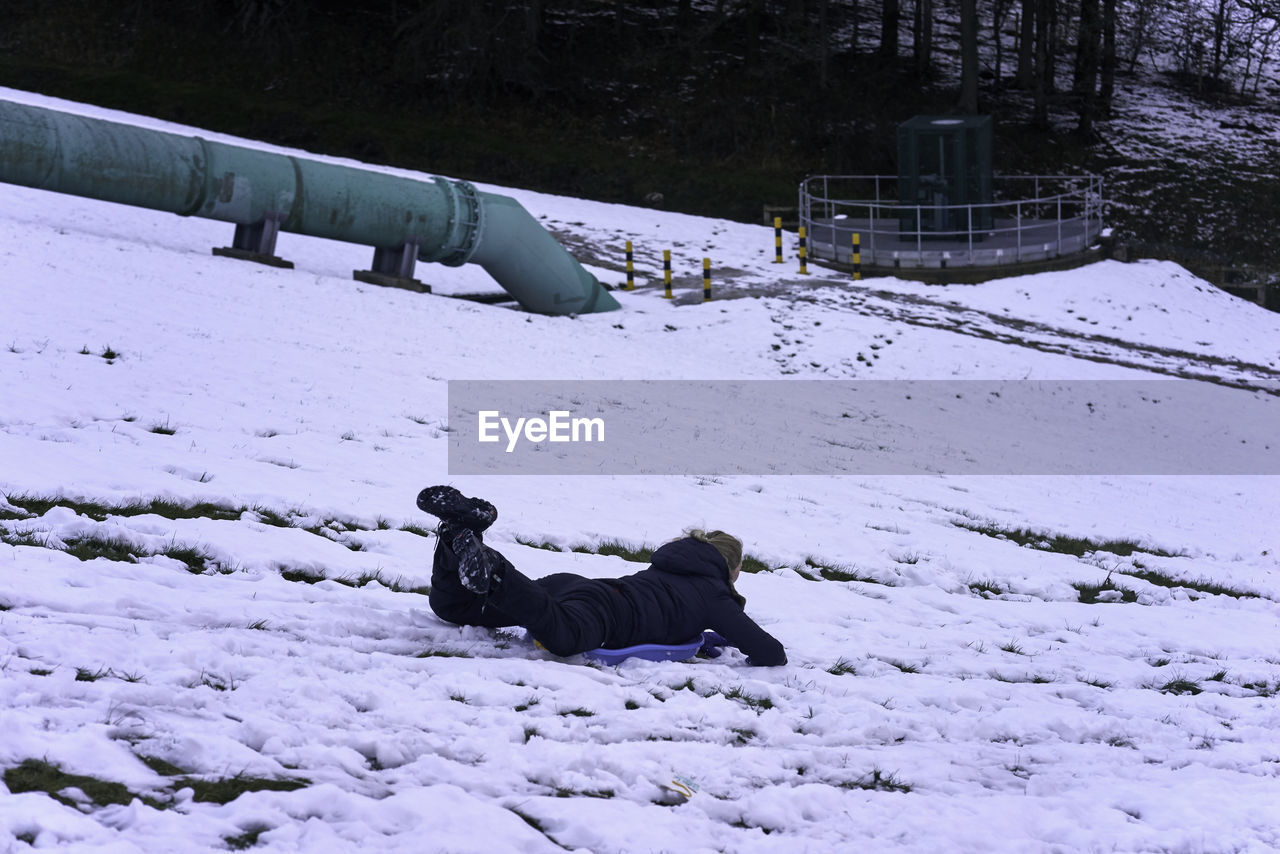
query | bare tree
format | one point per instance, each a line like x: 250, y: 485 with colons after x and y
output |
x: 922, y: 34
x: 1107, y: 88
x: 889, y: 17
x: 999, y: 14
x: 969, y: 56
x: 1043, y: 77
x: 1086, y: 72
x: 1026, y: 44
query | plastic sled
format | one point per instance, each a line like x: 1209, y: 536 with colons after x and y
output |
x: 648, y: 651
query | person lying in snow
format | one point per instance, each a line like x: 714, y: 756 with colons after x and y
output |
x: 687, y: 589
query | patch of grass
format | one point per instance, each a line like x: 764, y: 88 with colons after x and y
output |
x: 443, y: 653
x: 24, y: 538
x: 303, y: 574
x: 417, y: 530
x: 85, y: 675
x: 1262, y: 689
x: 110, y: 354
x: 577, y: 713
x: 40, y: 671
x: 877, y: 781
x: 903, y: 666
x: 37, y: 505
x: 538, y: 826
x: 93, y: 546
x: 742, y: 735
x: 258, y: 626
x: 986, y: 589
x: 1181, y: 686
x: 1098, y: 683
x: 14, y: 515
x: 247, y: 839
x: 1201, y: 585
x: 841, y: 667
x: 37, y: 775
x: 196, y: 559
x: 754, y: 565
x: 1059, y: 543
x: 161, y: 767
x: 163, y: 429
x: 1107, y: 591
x: 631, y: 705
x: 759, y: 704
x: 226, y: 790
x: 211, y: 680
x: 617, y: 548
x: 562, y: 792
x: 1029, y: 678
x: 267, y: 516
x: 839, y: 572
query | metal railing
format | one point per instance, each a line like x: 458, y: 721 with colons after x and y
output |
x: 1031, y: 218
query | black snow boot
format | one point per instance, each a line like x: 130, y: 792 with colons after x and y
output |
x: 450, y: 505
x: 474, y: 569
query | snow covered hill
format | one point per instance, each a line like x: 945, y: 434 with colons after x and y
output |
x: 213, y: 633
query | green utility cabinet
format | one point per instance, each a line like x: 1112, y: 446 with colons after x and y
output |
x: 944, y: 167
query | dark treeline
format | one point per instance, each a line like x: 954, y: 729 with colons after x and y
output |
x: 717, y: 105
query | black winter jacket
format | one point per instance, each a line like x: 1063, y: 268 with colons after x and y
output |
x: 685, y: 591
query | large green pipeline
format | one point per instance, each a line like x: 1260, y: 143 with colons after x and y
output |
x: 446, y: 221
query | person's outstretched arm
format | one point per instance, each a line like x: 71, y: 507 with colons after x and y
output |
x: 761, y: 648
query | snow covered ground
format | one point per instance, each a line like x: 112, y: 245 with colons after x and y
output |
x: 213, y: 632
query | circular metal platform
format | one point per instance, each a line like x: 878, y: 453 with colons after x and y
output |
x: 1034, y: 218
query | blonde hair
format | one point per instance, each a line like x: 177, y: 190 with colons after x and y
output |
x: 729, y: 546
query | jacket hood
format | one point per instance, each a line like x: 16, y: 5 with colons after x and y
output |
x: 688, y: 556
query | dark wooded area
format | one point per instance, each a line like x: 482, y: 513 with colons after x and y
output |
x: 716, y: 107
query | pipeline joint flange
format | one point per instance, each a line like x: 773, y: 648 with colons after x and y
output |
x: 465, y: 225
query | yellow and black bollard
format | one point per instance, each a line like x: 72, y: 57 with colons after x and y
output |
x: 804, y: 254
x: 631, y: 269
x: 777, y: 240
x: 857, y: 257
x: 706, y: 279
x: 666, y: 271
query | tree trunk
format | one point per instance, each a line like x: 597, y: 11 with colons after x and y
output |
x: 1086, y: 80
x: 1045, y: 9
x: 889, y: 14
x: 1027, y: 45
x: 824, y: 46
x: 1108, y: 85
x: 1220, y: 21
x: 924, y: 37
x: 969, y: 56
x: 1087, y: 37
x: 1049, y: 11
x: 755, y: 12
